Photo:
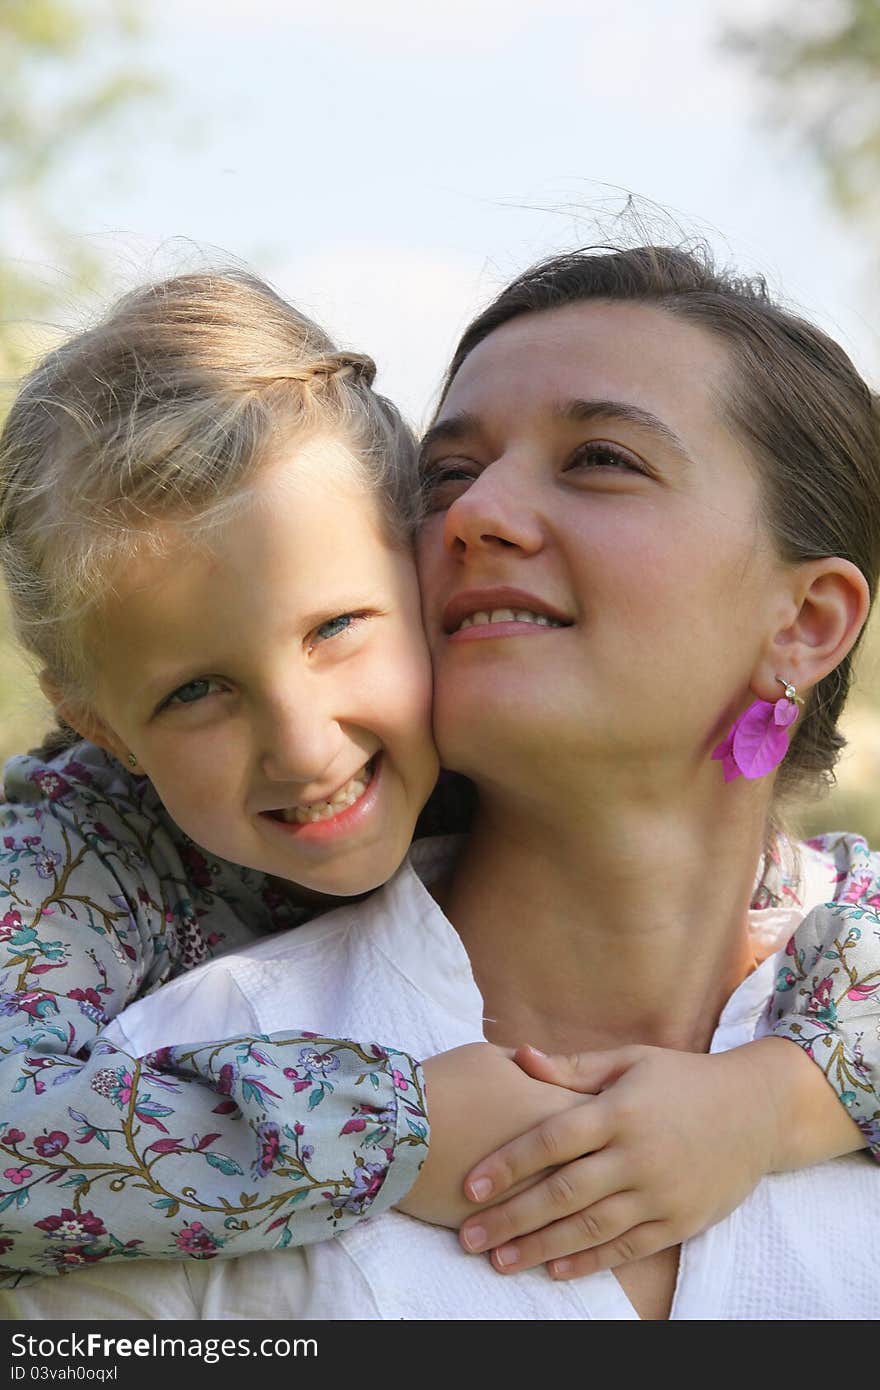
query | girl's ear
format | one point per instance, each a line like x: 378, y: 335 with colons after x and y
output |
x: 87, y: 722
x: 831, y: 601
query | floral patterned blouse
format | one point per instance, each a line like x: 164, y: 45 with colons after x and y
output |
x: 251, y: 1143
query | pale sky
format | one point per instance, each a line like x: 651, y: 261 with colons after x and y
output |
x: 390, y: 165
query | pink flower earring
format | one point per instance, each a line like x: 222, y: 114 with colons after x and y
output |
x: 758, y: 740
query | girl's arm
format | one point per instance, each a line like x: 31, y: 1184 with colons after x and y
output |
x: 241, y: 1145
x: 669, y: 1143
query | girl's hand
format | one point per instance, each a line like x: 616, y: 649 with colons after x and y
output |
x: 664, y: 1144
x: 478, y: 1100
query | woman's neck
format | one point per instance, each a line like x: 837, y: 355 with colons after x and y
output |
x: 620, y: 922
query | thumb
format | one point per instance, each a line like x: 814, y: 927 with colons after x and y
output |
x: 588, y: 1072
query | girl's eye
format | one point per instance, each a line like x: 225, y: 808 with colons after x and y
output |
x: 344, y: 622
x: 194, y: 691
x: 599, y: 454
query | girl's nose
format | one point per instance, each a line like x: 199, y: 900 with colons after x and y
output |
x: 300, y: 741
x: 497, y: 512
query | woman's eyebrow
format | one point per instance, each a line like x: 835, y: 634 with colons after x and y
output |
x: 576, y: 411
x: 449, y: 431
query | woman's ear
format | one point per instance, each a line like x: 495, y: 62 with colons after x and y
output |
x: 79, y: 715
x: 832, y: 599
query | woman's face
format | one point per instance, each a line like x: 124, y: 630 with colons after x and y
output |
x: 273, y: 681
x: 580, y: 473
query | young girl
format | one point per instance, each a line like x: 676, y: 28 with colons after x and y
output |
x: 205, y: 522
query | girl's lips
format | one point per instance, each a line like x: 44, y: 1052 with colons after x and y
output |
x: 343, y: 823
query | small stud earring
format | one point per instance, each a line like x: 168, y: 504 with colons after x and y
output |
x: 132, y: 760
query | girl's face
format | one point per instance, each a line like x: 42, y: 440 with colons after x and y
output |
x: 597, y: 582
x: 273, y: 681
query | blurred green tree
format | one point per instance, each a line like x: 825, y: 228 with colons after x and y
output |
x: 821, y: 64
x: 65, y: 79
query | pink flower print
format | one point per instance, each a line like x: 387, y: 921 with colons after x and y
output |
x: 367, y: 1181
x: 197, y: 866
x: 299, y: 1127
x: 5, y: 1244
x: 321, y: 1062
x: 270, y: 1148
x: 51, y: 784
x: 48, y: 1145
x: 820, y: 1004
x: 70, y: 1225
x: 79, y: 772
x: 13, y: 1137
x: 10, y: 923
x: 400, y: 1081
x: 46, y: 863
x: 76, y: 1255
x: 300, y: 1083
x: 160, y: 1060
x: 857, y: 889
x: 90, y: 1003
x: 18, y: 1175
x: 197, y: 1241
x: 226, y: 1079
x: 113, y: 1084
x: 36, y: 1004
x: 859, y: 993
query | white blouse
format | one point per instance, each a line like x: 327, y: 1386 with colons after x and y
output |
x: 803, y: 1245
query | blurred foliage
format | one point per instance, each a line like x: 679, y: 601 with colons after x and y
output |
x: 68, y: 76
x: 65, y: 81
x: 821, y: 65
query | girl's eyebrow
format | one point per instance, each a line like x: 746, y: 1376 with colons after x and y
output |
x: 575, y: 411
x: 449, y: 431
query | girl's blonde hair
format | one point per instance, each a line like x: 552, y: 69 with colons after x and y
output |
x: 164, y: 412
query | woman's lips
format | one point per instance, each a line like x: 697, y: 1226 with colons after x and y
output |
x: 503, y: 598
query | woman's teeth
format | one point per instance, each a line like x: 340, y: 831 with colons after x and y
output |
x: 508, y: 615
x: 340, y: 801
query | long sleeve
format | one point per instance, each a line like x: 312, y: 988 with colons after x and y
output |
x: 827, y: 997
x: 244, y: 1144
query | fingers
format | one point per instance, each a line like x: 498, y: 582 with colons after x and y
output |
x: 557, y: 1140
x: 565, y: 1193
x: 608, y: 1225
x: 587, y: 1072
x: 635, y: 1244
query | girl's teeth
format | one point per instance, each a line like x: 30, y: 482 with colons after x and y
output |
x: 323, y: 810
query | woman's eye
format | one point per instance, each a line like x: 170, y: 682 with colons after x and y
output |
x: 445, y: 480
x: 598, y: 454
x: 194, y: 691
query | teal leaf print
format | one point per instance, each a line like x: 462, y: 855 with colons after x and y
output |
x: 227, y: 1166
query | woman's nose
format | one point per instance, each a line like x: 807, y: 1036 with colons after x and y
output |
x: 496, y: 512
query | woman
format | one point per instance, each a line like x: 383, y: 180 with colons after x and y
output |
x: 654, y: 504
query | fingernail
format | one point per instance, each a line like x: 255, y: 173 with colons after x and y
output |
x: 537, y: 1051
x: 474, y: 1238
x: 480, y: 1188
x: 508, y: 1255
x: 559, y: 1268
